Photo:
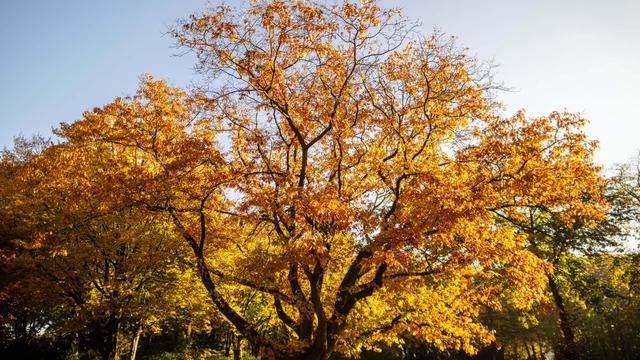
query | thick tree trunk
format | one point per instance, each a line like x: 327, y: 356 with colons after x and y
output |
x: 314, y: 356
x: 570, y: 351
x: 106, y: 338
x: 320, y: 356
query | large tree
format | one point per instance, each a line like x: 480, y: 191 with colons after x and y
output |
x: 345, y: 168
x: 79, y: 258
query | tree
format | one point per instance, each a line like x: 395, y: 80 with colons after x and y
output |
x: 27, y: 312
x: 606, y: 290
x: 570, y: 246
x: 605, y: 286
x: 103, y: 265
x: 344, y: 168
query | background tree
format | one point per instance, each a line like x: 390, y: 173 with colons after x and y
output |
x: 26, y: 312
x: 101, y: 264
x: 605, y: 286
x: 576, y: 250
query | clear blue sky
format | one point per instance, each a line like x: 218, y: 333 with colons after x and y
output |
x: 62, y: 57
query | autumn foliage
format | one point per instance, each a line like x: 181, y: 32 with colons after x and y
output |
x: 352, y: 172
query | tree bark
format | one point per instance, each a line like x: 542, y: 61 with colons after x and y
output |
x: 240, y: 323
x: 316, y: 356
x: 75, y: 346
x: 237, y: 344
x: 134, y: 343
x: 227, y: 343
x: 570, y: 350
x: 107, y: 338
x: 533, y: 351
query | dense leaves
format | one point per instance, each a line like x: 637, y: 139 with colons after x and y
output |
x: 337, y: 183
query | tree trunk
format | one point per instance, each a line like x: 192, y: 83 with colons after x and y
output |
x: 526, y: 347
x: 533, y: 351
x: 134, y: 343
x: 227, y: 343
x: 543, y: 356
x: 115, y: 353
x: 320, y: 349
x: 570, y: 350
x: 237, y: 344
x: 312, y: 356
x: 75, y: 346
x: 106, y: 338
x: 500, y: 355
x: 316, y: 356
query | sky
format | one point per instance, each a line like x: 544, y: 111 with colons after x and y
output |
x: 60, y: 58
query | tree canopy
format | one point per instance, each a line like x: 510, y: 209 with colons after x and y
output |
x: 351, y: 178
